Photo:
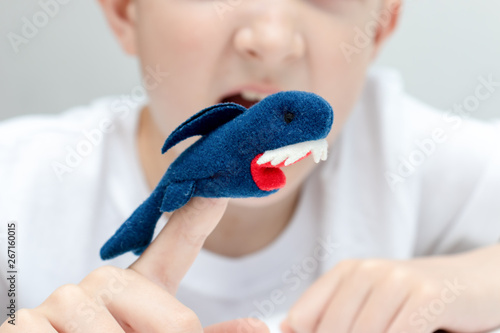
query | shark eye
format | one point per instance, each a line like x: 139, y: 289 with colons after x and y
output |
x: 288, y: 116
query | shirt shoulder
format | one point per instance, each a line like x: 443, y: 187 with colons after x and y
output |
x: 50, y: 155
x: 101, y: 113
x: 65, y: 180
x: 447, y: 163
x: 413, y: 140
x: 78, y: 131
x: 423, y: 176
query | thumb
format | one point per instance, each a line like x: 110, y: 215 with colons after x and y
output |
x: 242, y: 325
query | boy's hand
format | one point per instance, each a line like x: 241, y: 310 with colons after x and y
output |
x: 459, y: 293
x: 140, y: 298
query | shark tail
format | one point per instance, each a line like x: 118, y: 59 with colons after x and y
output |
x: 137, y: 231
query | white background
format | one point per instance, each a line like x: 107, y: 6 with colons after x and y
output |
x: 441, y: 47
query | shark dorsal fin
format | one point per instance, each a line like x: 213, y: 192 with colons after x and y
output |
x: 204, y: 122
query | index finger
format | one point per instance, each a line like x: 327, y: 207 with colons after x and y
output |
x: 167, y: 259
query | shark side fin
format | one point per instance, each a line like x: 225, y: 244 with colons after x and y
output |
x: 177, y: 195
x: 204, y: 122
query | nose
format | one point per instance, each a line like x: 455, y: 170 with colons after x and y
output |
x: 270, y: 36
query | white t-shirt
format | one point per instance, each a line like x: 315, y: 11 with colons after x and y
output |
x: 402, y: 180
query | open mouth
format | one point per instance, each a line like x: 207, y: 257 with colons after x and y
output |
x: 246, y: 99
x: 265, y: 168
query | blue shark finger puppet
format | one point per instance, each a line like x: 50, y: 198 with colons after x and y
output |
x: 239, y: 155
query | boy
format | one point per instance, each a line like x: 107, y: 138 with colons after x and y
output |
x: 402, y: 181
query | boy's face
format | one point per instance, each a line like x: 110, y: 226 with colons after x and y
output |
x: 216, y: 51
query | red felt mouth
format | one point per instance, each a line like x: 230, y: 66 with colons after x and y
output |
x: 238, y: 99
x: 269, y: 177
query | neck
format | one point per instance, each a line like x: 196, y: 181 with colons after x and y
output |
x: 242, y: 230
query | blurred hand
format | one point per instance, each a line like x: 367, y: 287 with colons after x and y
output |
x: 140, y: 298
x: 459, y: 293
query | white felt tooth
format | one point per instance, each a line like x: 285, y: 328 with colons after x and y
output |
x: 319, y: 149
x: 292, y: 153
x: 278, y: 159
x: 275, y: 156
x: 324, y: 154
x: 316, y: 155
x: 296, y: 155
x: 291, y: 160
x: 266, y: 157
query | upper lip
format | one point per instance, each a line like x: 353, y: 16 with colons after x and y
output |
x: 259, y: 88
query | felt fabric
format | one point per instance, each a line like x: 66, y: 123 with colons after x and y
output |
x: 224, y: 163
x: 267, y: 176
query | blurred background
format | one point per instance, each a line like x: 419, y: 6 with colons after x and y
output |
x: 441, y: 48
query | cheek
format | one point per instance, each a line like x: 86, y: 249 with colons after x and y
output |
x: 172, y: 35
x: 181, y: 30
x: 336, y: 77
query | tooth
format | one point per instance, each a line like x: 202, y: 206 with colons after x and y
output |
x: 324, y: 153
x: 266, y: 157
x: 291, y: 160
x: 317, y: 154
x: 261, y: 96
x: 297, y: 155
x: 278, y: 159
x: 292, y: 153
x: 253, y: 96
x: 319, y: 150
x: 248, y: 95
